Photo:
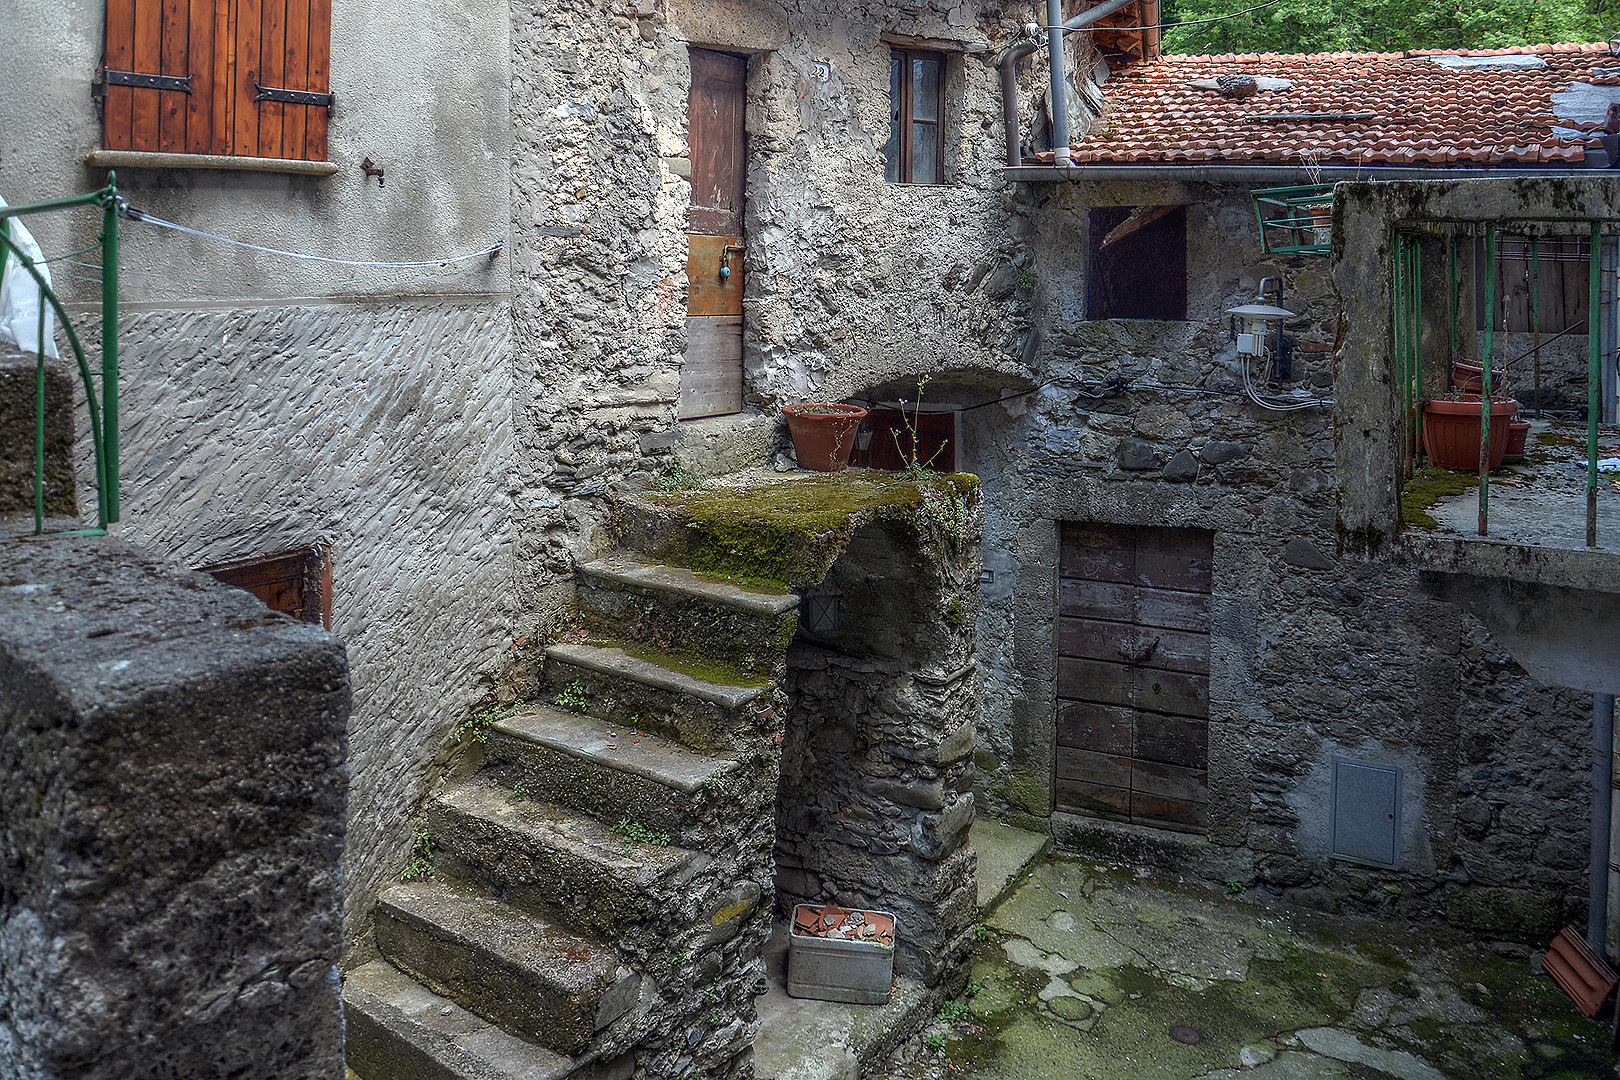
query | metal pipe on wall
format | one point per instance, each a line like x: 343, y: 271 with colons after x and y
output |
x: 1597, y: 920
x: 1009, y: 62
x: 1060, y: 92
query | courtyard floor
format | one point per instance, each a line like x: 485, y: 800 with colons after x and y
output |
x: 1090, y: 971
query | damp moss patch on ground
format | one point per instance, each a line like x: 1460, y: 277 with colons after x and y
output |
x: 1096, y: 973
x: 785, y: 532
x: 1428, y: 486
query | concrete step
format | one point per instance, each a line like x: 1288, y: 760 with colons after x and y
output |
x: 398, y: 1028
x: 673, y: 609
x: 533, y: 979
x: 610, y: 772
x: 546, y: 858
x: 647, y: 694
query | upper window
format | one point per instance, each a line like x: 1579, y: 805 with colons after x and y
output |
x: 1137, y: 265
x: 247, y: 78
x: 916, y: 149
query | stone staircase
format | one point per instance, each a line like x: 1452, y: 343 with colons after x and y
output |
x: 603, y: 881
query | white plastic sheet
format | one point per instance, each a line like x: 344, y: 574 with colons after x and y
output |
x: 20, y: 296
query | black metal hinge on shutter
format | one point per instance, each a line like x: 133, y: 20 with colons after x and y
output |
x: 140, y: 79
x: 291, y: 97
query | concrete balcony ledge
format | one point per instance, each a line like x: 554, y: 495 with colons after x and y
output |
x: 1595, y: 569
x: 146, y: 159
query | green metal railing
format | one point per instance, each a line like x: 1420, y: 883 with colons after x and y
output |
x: 1299, y: 216
x: 103, y: 419
x: 1406, y: 272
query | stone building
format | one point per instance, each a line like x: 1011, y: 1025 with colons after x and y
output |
x: 706, y: 210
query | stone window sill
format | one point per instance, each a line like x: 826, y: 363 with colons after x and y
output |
x: 144, y: 159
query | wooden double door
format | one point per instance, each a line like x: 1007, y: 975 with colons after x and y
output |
x: 712, y: 375
x: 1133, y: 674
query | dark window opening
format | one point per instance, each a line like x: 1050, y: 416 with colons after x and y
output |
x: 884, y: 440
x: 915, y: 153
x: 1137, y: 269
x: 296, y: 582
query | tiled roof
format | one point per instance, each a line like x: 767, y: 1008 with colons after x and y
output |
x: 1427, y: 107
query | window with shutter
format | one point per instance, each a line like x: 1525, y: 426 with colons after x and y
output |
x: 239, y: 77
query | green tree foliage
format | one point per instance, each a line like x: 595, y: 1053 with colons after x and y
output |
x: 1294, y: 26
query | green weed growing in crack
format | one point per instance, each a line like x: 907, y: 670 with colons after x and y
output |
x: 712, y: 782
x: 575, y: 697
x: 1234, y: 887
x: 680, y: 958
x: 519, y: 792
x: 936, y: 1042
x: 981, y: 932
x: 953, y: 1012
x: 634, y: 834
x: 478, y: 722
x: 677, y: 477
x: 421, y: 864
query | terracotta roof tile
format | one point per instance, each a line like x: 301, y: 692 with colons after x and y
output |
x: 1423, y: 112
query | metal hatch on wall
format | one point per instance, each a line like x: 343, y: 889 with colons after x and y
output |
x: 1133, y: 674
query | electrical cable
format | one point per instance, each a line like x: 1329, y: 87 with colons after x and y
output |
x: 133, y: 214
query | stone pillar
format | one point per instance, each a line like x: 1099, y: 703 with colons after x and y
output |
x: 171, y: 824
x: 877, y: 770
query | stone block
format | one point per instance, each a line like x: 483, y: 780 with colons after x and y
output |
x: 171, y: 820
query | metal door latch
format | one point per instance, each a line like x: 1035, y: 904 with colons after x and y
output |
x: 725, y: 259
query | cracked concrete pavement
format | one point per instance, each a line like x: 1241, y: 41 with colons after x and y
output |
x: 1089, y: 971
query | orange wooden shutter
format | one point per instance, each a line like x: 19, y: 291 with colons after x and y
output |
x: 229, y: 48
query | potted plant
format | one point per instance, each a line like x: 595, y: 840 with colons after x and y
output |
x: 1451, y: 431
x: 823, y: 433
x: 1518, y: 435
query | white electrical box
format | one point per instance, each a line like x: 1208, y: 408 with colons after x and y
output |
x: 1250, y: 344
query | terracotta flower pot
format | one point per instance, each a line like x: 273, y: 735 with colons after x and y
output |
x: 1466, y: 377
x: 1518, y: 432
x: 1451, y: 432
x: 823, y: 434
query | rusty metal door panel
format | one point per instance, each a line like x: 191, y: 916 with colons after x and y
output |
x: 1133, y: 673
x: 709, y: 292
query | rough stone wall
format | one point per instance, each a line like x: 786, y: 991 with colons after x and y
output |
x: 171, y: 824
x: 877, y: 767
x: 851, y: 281
x: 383, y: 432
x: 1312, y: 655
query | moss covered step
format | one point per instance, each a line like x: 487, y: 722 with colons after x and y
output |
x: 650, y: 692
x: 534, y: 979
x: 396, y: 1027
x: 552, y: 860
x: 652, y: 785
x: 671, y: 608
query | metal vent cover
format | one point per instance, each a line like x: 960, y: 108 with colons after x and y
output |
x: 1364, y: 824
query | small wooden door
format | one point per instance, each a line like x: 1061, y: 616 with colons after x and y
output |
x: 711, y: 377
x: 1133, y: 674
x: 890, y: 442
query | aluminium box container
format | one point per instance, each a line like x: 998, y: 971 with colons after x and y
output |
x: 834, y: 969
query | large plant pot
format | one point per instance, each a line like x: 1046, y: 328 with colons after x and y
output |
x: 1467, y: 378
x: 1451, y: 432
x: 823, y: 434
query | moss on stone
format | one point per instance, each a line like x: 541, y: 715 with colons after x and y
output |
x: 780, y: 534
x: 711, y: 669
x: 1428, y: 486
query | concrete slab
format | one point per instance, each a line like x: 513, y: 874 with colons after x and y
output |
x: 827, y: 1040
x: 1004, y: 853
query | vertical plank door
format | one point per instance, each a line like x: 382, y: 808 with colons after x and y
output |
x: 1133, y: 674
x: 711, y: 377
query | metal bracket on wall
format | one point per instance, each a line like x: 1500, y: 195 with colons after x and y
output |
x: 181, y: 83
x: 291, y: 97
